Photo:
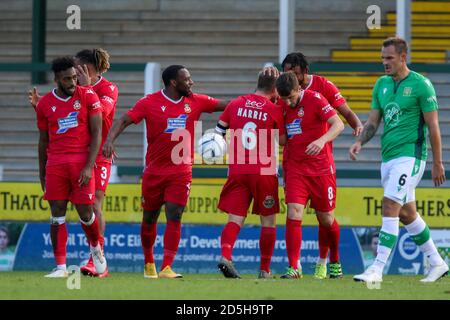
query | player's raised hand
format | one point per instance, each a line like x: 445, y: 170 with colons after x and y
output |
x: 108, y: 150
x: 85, y: 176
x: 438, y: 174
x: 358, y: 131
x: 83, y: 75
x: 271, y: 71
x: 33, y: 97
x: 314, y: 148
x: 354, y: 150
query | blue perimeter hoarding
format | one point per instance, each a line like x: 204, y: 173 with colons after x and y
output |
x: 199, y: 249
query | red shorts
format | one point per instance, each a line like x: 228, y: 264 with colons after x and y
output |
x: 102, y: 172
x: 61, y: 183
x: 321, y: 190
x: 158, y: 189
x: 240, y: 189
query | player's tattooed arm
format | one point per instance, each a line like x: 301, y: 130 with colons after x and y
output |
x: 370, y: 128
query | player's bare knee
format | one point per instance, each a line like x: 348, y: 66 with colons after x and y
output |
x: 326, y: 219
x: 391, y: 208
x: 295, y: 211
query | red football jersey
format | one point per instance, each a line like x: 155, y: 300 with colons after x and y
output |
x: 327, y: 89
x: 252, y: 119
x: 304, y: 124
x: 67, y: 123
x: 107, y: 92
x: 163, y: 117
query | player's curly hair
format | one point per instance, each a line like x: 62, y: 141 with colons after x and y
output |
x: 99, y: 58
x: 296, y: 59
x: 285, y: 83
x: 62, y: 63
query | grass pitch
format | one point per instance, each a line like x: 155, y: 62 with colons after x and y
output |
x: 33, y: 285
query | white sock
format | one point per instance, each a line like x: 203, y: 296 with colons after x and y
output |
x: 388, y: 237
x: 419, y: 232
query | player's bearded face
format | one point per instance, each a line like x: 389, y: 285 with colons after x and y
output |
x: 184, y: 83
x: 66, y: 81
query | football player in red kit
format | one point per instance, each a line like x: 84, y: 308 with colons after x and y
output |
x: 254, y: 122
x: 170, y: 115
x: 69, y: 119
x: 311, y: 123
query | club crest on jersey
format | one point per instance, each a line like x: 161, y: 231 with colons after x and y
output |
x: 294, y: 128
x: 187, y: 108
x: 71, y: 121
x: 407, y: 91
x: 301, y: 112
x: 176, y: 123
x: 77, y: 105
x: 269, y: 202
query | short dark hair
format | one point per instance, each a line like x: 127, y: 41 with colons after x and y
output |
x: 296, y: 59
x: 266, y: 82
x: 62, y: 63
x: 171, y: 73
x: 401, y: 46
x: 286, y: 82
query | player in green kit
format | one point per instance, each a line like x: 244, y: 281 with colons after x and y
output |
x: 407, y: 103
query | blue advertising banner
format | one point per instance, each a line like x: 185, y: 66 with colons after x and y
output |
x: 199, y: 249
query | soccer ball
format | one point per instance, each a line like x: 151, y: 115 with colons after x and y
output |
x: 212, y: 147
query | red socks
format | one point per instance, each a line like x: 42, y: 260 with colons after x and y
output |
x: 148, y: 237
x: 329, y: 239
x: 266, y: 245
x: 333, y: 239
x: 172, y: 237
x: 293, y: 241
x: 58, y: 235
x: 323, y: 242
x: 228, y: 238
x: 92, y: 231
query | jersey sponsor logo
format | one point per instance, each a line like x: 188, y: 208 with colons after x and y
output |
x: 163, y: 108
x: 269, y: 202
x: 392, y: 114
x: 294, y: 128
x: 254, y: 104
x: 71, y: 121
x: 77, y: 105
x: 187, y: 108
x: 176, y: 123
x: 53, y: 108
x: 301, y: 112
x: 407, y: 91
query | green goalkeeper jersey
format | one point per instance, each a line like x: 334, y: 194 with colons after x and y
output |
x: 402, y: 105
